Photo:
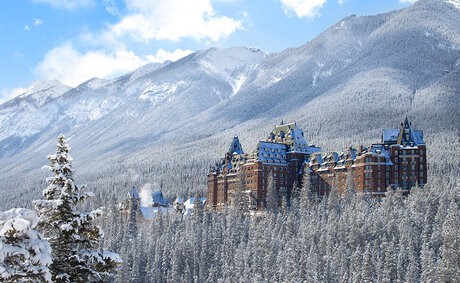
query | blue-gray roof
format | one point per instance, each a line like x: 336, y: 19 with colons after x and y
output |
x: 157, y: 197
x: 390, y: 135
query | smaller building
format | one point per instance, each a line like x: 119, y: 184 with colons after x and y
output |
x: 178, y: 204
x: 190, y: 205
x: 137, y: 209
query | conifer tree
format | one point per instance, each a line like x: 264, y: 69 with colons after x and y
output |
x: 350, y: 185
x: 240, y: 198
x: 272, y: 197
x: 24, y: 254
x: 305, y: 193
x: 73, y: 236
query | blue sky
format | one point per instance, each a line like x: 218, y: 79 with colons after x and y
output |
x: 75, y: 40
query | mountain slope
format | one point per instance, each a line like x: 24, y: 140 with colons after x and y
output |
x: 357, y: 77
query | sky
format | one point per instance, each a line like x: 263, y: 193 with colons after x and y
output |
x: 76, y: 40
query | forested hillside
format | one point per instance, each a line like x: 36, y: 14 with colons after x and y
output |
x: 349, y: 239
x: 358, y: 77
x: 163, y: 124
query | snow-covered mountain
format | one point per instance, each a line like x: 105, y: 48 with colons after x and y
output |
x: 357, y: 77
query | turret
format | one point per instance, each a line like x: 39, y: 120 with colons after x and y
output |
x: 235, y: 146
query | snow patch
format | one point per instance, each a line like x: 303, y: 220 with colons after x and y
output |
x: 455, y: 3
x: 156, y: 92
x: 239, y: 81
x: 281, y: 73
x: 93, y: 109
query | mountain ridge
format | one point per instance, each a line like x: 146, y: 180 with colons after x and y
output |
x: 359, y: 75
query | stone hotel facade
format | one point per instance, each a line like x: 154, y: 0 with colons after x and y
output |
x: 398, y: 161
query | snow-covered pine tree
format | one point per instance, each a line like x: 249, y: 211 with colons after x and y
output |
x: 272, y: 196
x: 305, y: 192
x: 73, y: 236
x: 350, y: 185
x: 240, y: 198
x: 24, y: 254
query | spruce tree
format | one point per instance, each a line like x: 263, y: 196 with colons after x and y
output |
x: 73, y: 236
x: 24, y: 254
x: 272, y: 197
x: 305, y: 193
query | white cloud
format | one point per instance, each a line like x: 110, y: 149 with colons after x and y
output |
x: 37, y: 21
x: 174, y: 20
x: 303, y: 8
x: 163, y: 55
x: 72, y: 67
x: 26, y: 28
x: 111, y: 7
x: 67, y: 4
x: 107, y: 55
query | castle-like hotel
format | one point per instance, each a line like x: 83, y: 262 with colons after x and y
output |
x: 399, y: 161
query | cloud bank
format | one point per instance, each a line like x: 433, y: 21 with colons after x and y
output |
x: 145, y: 21
x: 303, y: 8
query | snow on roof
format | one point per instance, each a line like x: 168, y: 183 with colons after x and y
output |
x: 293, y: 137
x: 149, y: 212
x: 179, y: 200
x: 269, y: 152
x: 316, y: 157
x: 390, y: 135
x: 404, y: 135
x: 190, y: 203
